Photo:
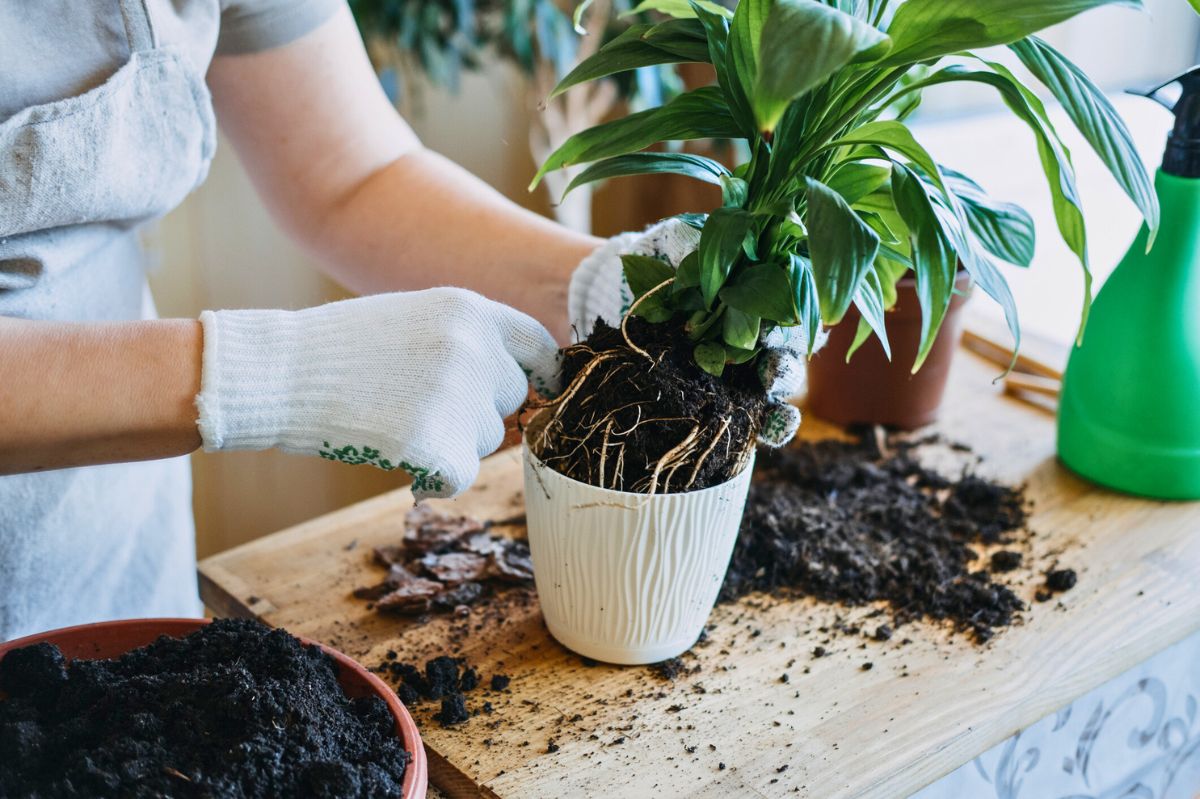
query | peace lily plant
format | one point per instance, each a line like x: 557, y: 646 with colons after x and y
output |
x: 837, y: 199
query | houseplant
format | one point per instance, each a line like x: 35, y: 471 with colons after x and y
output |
x: 836, y: 202
x: 440, y: 40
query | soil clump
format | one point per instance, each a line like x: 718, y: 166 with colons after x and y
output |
x: 235, y: 709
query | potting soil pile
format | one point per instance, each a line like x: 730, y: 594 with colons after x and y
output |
x: 857, y: 522
x: 233, y: 710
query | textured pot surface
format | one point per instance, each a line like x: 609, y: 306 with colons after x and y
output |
x: 111, y: 639
x: 623, y: 577
x: 870, y: 389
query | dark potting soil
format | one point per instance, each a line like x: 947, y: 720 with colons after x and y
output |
x: 653, y: 422
x: 445, y: 680
x: 857, y: 522
x: 233, y: 710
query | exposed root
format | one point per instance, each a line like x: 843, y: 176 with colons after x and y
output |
x: 647, y: 419
x: 629, y: 314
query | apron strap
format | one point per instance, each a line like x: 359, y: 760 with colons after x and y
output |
x: 137, y: 25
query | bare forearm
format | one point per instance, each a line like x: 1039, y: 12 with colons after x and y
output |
x: 82, y: 394
x: 423, y: 221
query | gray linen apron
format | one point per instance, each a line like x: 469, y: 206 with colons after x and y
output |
x: 76, y: 178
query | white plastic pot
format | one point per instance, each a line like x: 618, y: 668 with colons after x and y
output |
x: 623, y: 577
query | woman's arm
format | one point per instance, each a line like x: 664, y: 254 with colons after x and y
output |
x: 347, y: 177
x: 81, y: 394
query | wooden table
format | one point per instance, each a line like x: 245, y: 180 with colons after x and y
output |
x: 736, y: 727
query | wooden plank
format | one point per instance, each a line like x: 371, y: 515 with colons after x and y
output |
x: 924, y: 708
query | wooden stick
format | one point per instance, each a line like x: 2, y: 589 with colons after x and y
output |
x: 1001, y: 354
x: 1034, y: 384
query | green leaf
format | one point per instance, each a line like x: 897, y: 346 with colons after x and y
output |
x: 934, y: 259
x: 720, y: 243
x: 711, y: 357
x: 680, y: 9
x: 926, y: 29
x: 643, y: 273
x: 733, y: 192
x: 893, y: 136
x: 801, y: 45
x: 861, y: 334
x: 745, y: 35
x: 698, y: 114
x: 635, y: 48
x: 854, y: 181
x: 869, y: 300
x: 1004, y: 229
x: 842, y: 248
x: 763, y: 290
x: 739, y: 355
x: 804, y: 295
x: 694, y: 166
x: 682, y: 37
x: 716, y: 28
x: 1056, y: 160
x: 687, y: 275
x: 1097, y: 120
x: 740, y: 329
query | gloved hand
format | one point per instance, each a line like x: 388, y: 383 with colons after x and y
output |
x: 598, y: 291
x: 417, y: 381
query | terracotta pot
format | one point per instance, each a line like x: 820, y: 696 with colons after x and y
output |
x: 112, y: 639
x: 870, y: 389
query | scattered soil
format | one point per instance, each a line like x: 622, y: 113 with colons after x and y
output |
x: 445, y: 680
x: 651, y: 421
x: 444, y: 564
x: 858, y: 522
x: 233, y: 710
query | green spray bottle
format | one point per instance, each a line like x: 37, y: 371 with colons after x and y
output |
x: 1129, y: 411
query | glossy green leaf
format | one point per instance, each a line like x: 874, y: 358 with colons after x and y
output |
x: 739, y: 355
x: 934, y: 259
x: 687, y: 275
x: 680, y: 9
x: 711, y: 357
x: 643, y: 273
x: 804, y: 295
x: 733, y: 192
x: 801, y: 44
x: 720, y: 244
x: 1056, y: 160
x: 869, y: 300
x: 716, y: 29
x: 763, y: 290
x: 861, y: 334
x: 926, y: 29
x: 894, y: 136
x: 854, y: 180
x: 693, y: 166
x: 1004, y: 229
x: 634, y: 48
x: 682, y: 37
x: 745, y: 35
x: 740, y: 329
x: 1097, y: 120
x: 842, y: 248
x: 698, y: 114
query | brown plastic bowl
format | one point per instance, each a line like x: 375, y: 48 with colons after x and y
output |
x: 110, y: 639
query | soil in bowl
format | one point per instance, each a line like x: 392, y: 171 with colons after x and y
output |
x: 235, y: 709
x: 638, y: 414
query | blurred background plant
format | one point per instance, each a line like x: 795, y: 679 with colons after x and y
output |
x: 441, y: 39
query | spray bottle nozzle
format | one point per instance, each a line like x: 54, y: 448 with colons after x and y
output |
x: 1182, y: 157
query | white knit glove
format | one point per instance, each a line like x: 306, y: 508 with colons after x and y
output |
x: 417, y: 381
x: 598, y: 291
